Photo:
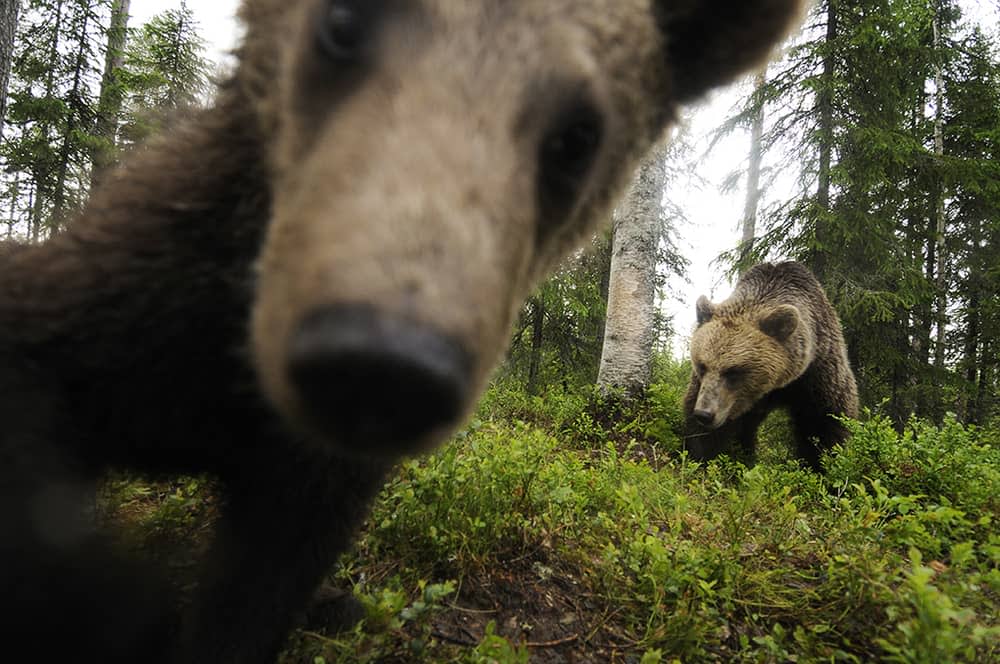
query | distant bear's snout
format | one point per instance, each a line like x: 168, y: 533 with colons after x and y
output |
x: 705, y: 417
x: 371, y: 380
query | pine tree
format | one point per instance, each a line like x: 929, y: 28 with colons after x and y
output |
x: 971, y: 137
x: 112, y: 91
x: 165, y: 69
x: 71, y: 73
x: 51, y: 112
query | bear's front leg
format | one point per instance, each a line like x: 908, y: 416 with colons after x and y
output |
x: 59, y: 575
x: 285, y: 521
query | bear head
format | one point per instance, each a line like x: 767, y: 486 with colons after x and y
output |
x: 740, y: 354
x: 431, y: 160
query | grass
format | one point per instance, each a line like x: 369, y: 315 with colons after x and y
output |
x: 555, y: 529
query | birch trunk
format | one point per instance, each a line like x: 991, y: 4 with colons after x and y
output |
x: 941, y: 281
x: 824, y: 103
x: 749, y: 230
x: 626, y: 357
x: 9, y: 11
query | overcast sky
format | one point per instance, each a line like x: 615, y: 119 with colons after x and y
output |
x: 713, y: 217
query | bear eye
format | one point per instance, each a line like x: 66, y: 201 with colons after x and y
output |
x: 343, y: 29
x: 567, y: 153
x: 734, y: 374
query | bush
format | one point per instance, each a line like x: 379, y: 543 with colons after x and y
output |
x: 719, y: 562
x: 951, y: 464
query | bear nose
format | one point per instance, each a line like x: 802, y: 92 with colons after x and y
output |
x: 374, y: 380
x: 704, y: 417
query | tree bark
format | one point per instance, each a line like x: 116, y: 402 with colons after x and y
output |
x: 9, y: 12
x: 110, y: 105
x: 626, y: 357
x: 971, y: 359
x: 749, y: 225
x: 824, y: 104
x: 604, y: 251
x: 537, y: 329
x: 72, y: 122
x: 941, y: 281
x: 40, y: 189
x: 12, y: 212
x: 984, y: 386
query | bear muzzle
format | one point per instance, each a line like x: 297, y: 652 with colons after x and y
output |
x: 713, y: 406
x: 705, y: 418
x: 376, y: 383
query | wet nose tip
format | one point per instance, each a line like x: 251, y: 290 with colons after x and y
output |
x: 705, y: 417
x: 373, y: 380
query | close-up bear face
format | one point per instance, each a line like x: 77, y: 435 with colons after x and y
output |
x: 416, y: 202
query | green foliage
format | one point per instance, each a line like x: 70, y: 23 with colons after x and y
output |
x: 587, y: 418
x: 165, y: 508
x: 472, y: 500
x: 774, y: 563
x: 951, y: 464
x: 55, y: 128
x: 495, y: 649
x: 164, y: 69
x: 395, y: 627
x: 930, y: 628
x: 52, y: 102
x: 558, y: 337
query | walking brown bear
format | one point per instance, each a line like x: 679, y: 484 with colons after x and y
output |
x: 775, y: 343
x: 309, y: 279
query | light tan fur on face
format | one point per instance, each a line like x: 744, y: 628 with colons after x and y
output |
x: 420, y: 188
x: 742, y: 339
x: 415, y: 188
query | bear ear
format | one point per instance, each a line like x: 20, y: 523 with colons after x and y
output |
x: 704, y: 310
x: 711, y: 42
x: 780, y: 322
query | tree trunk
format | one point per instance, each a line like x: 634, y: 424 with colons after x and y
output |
x: 9, y: 11
x: 537, y: 329
x: 626, y: 358
x: 824, y: 103
x: 110, y: 105
x: 984, y: 387
x: 12, y: 213
x: 34, y: 216
x: 753, y: 175
x: 75, y: 112
x: 41, y: 185
x: 941, y: 281
x: 605, y: 249
x: 971, y: 358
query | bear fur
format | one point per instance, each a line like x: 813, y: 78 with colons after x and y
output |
x: 776, y: 342
x: 313, y: 277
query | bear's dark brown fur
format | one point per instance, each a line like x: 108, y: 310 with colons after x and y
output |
x: 776, y: 342
x: 309, y: 279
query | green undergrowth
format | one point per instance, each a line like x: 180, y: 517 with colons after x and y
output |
x: 892, y: 556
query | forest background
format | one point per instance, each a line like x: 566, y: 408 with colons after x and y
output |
x: 564, y: 522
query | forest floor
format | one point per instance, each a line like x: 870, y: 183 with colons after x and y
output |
x: 551, y: 532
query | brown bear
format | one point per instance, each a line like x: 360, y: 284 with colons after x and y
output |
x: 309, y: 279
x: 776, y: 342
